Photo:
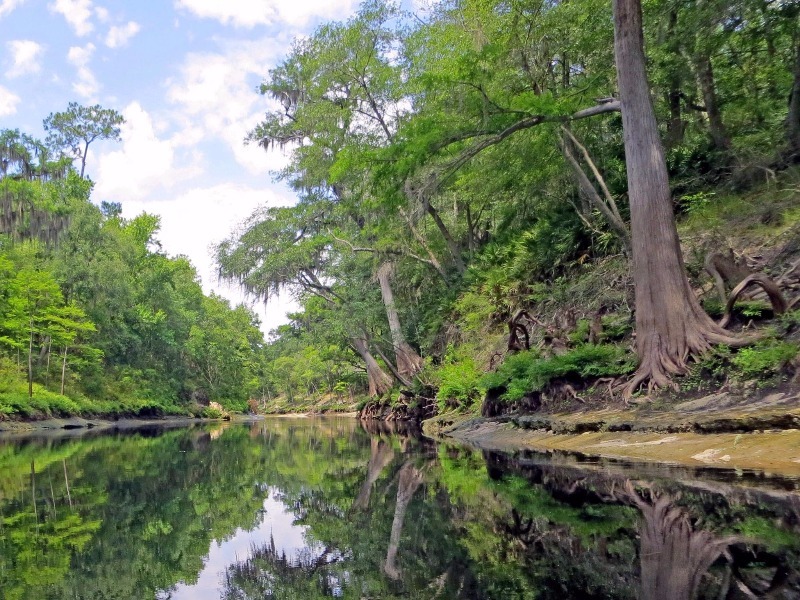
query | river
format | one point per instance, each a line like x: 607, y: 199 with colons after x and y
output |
x: 318, y: 508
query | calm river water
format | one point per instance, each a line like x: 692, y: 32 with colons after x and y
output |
x: 313, y: 508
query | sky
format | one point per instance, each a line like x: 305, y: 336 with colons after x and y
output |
x: 184, y: 74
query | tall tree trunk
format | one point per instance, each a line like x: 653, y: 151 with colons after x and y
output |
x: 408, y: 362
x: 434, y: 261
x: 30, y: 362
x: 410, y: 480
x: 452, y: 245
x: 381, y: 454
x: 607, y: 208
x: 379, y: 381
x: 670, y: 324
x: 675, y: 125
x: 793, y: 116
x: 716, y: 127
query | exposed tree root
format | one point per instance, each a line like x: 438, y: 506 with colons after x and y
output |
x: 779, y: 305
x: 660, y: 361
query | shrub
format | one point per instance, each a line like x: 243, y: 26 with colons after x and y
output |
x: 528, y: 372
x: 215, y: 411
x: 459, y: 384
x: 765, y: 360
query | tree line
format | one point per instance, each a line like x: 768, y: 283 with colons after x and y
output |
x: 94, y: 317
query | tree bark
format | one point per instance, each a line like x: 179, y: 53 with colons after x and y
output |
x: 408, y: 362
x: 410, y: 480
x: 607, y: 208
x: 63, y: 370
x: 670, y: 324
x: 379, y: 381
x: 716, y: 127
x: 793, y: 116
x: 452, y: 245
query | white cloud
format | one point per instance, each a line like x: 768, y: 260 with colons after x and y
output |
x: 119, y: 35
x: 86, y: 85
x: 102, y: 14
x: 144, y: 163
x: 25, y: 55
x: 248, y: 13
x: 78, y: 14
x: 8, y: 102
x: 217, y: 92
x: 6, y: 6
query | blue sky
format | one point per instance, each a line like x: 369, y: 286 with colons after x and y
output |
x: 184, y: 74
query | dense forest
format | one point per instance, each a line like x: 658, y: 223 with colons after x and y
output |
x: 497, y: 183
x: 95, y: 318
x: 503, y: 196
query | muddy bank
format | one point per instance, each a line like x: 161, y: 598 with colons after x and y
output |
x: 719, y: 430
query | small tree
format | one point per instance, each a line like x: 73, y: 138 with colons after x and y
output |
x: 34, y: 295
x: 77, y: 127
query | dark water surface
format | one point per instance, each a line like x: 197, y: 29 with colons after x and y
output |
x: 313, y: 508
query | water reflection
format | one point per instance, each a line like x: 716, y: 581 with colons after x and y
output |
x: 322, y: 508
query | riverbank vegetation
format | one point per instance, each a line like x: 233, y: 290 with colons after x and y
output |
x: 476, y: 224
x: 477, y: 217
x: 94, y: 318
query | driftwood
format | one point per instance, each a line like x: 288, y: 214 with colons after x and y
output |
x: 779, y: 304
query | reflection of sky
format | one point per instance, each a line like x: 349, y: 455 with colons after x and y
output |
x: 277, y: 521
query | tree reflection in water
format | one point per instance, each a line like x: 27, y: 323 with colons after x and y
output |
x: 378, y: 512
x: 674, y: 556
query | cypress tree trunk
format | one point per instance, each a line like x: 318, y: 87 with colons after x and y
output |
x: 670, y: 324
x: 379, y: 381
x: 716, y: 127
x: 408, y: 362
x: 793, y: 116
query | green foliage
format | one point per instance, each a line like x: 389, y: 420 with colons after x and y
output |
x: 528, y: 372
x: 214, y: 412
x: 459, y: 384
x: 697, y: 202
x: 74, y: 129
x: 775, y: 538
x: 765, y: 360
x: 581, y: 333
x: 92, y: 313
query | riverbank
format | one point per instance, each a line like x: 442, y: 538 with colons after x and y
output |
x: 721, y: 430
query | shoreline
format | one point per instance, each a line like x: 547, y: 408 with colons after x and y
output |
x: 721, y: 430
x: 771, y: 452
x: 82, y: 424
